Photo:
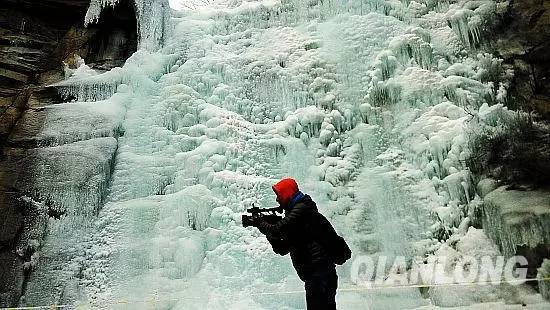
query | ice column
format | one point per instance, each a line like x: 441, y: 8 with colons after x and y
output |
x: 152, y: 15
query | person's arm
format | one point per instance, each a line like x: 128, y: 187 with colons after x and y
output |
x: 280, y: 246
x: 285, y: 228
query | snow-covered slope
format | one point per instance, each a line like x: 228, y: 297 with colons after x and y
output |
x: 365, y: 103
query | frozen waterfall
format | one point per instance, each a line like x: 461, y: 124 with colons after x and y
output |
x: 364, y: 102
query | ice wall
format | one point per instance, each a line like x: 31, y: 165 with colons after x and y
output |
x: 364, y: 102
x: 70, y: 176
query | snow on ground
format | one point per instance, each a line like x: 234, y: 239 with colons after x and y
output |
x: 365, y: 103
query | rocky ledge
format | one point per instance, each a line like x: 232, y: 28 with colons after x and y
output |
x: 519, y: 223
x: 516, y: 218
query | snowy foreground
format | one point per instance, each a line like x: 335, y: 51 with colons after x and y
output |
x: 368, y: 104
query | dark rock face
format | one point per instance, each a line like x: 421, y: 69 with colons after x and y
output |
x: 11, y: 267
x: 114, y: 38
x: 524, y: 43
x: 31, y: 33
x: 518, y: 220
x: 36, y: 37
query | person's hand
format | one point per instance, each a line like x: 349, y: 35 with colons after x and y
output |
x: 257, y: 217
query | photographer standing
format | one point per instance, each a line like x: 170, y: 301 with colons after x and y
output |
x: 310, y: 239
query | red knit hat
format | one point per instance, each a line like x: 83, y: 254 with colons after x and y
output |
x: 285, y: 190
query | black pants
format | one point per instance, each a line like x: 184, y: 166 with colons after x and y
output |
x: 321, y: 287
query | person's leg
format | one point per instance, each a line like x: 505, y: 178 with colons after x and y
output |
x: 321, y: 290
x: 332, y: 289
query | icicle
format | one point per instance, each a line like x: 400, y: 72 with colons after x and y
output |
x: 87, y: 91
x: 467, y: 21
x: 412, y: 46
x: 95, y: 9
x: 153, y: 23
x: 384, y: 94
x: 386, y: 63
x: 459, y: 23
x: 152, y: 17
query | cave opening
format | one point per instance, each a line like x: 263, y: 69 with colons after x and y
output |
x: 114, y: 37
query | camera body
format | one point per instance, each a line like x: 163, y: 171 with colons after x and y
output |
x: 247, y: 220
x: 256, y: 214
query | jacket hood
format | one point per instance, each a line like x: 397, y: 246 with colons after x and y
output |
x: 285, y: 190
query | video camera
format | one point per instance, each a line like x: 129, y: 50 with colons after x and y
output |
x: 269, y: 215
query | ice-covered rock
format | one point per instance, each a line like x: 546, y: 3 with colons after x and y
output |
x: 67, y: 184
x: 70, y: 178
x: 11, y: 278
x: 138, y: 72
x: 515, y: 218
x: 544, y: 279
x: 485, y: 186
x: 67, y: 123
x: 477, y: 255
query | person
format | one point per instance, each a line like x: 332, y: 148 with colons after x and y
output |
x: 300, y: 234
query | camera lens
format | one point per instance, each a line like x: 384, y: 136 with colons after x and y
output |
x: 246, y: 220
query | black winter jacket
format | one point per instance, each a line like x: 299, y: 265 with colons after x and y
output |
x: 299, y: 233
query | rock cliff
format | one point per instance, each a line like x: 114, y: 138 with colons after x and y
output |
x: 524, y: 43
x: 37, y: 40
